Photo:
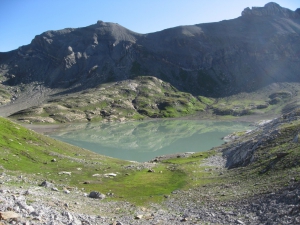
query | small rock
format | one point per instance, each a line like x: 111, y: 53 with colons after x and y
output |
x: 65, y: 172
x: 151, y: 171
x: 27, y: 192
x: 30, y: 209
x: 46, y: 184
x: 138, y: 217
x: 96, y: 175
x: 53, y: 160
x: 96, y: 194
x: 8, y: 215
x: 184, y: 219
x: 54, y: 189
x: 239, y: 222
x: 110, y: 175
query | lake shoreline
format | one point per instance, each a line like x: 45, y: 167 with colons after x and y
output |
x: 145, y: 140
x: 51, y: 128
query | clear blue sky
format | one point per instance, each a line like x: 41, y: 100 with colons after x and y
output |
x: 21, y: 20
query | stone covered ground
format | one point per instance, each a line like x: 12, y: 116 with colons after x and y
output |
x: 31, y: 202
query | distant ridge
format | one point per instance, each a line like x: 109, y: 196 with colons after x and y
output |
x: 213, y: 59
x: 271, y: 9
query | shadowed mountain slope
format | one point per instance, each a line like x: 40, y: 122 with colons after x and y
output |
x: 214, y: 59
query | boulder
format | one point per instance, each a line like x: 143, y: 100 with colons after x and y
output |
x: 8, y: 215
x: 46, y: 184
x: 96, y: 194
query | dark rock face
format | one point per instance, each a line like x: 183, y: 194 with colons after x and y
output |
x: 214, y: 59
x: 271, y: 9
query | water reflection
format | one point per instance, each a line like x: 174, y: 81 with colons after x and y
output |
x: 142, y: 141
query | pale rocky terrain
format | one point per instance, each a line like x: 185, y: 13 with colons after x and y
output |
x: 31, y: 203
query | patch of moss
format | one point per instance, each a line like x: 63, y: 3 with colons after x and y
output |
x: 205, y: 100
x: 4, y: 93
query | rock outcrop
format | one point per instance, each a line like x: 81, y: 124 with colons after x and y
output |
x: 244, y: 150
x: 271, y: 9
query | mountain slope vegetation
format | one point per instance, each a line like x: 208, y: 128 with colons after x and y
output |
x: 149, y: 97
x: 260, y: 162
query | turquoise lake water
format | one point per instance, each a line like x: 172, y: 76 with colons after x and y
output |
x: 143, y: 141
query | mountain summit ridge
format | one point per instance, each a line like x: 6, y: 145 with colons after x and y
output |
x: 271, y: 9
x: 211, y: 59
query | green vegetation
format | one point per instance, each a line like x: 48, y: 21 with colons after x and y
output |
x: 149, y: 97
x: 4, y: 96
x: 24, y: 152
x: 265, y: 101
x: 132, y: 99
x: 205, y: 100
x: 4, y: 93
x: 143, y: 186
x: 276, y: 165
x: 28, y: 153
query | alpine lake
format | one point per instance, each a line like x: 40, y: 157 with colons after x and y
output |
x: 142, y: 141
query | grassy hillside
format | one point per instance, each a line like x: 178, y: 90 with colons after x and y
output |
x: 149, y: 97
x: 143, y: 97
x: 37, y: 157
x: 4, y: 96
x: 275, y: 165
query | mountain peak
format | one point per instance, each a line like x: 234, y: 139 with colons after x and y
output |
x: 271, y: 9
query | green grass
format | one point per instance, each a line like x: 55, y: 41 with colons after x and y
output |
x: 148, y: 97
x: 26, y: 152
x: 136, y: 99
x: 143, y: 186
x: 4, y: 93
x: 205, y: 100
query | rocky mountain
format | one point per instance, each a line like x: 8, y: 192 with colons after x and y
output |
x: 213, y: 59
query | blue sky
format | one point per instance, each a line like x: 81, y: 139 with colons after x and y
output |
x: 21, y: 20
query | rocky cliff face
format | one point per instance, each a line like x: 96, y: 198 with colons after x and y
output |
x: 271, y: 9
x: 214, y: 59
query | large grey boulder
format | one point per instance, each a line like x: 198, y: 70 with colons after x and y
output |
x: 96, y: 194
